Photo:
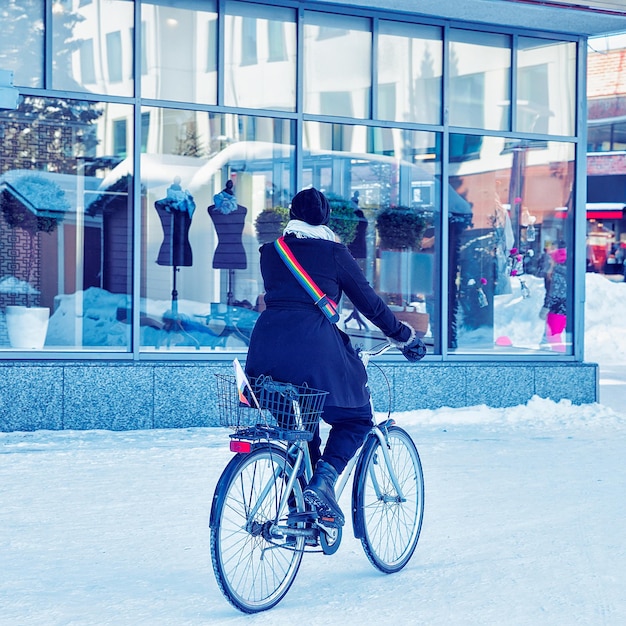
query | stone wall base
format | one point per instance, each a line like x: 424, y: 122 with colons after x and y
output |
x: 140, y: 395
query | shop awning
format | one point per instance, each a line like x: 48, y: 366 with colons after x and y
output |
x: 605, y: 210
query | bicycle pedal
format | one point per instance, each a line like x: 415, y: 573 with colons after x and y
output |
x: 328, y: 523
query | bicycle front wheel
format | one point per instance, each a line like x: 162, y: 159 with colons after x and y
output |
x: 254, y: 564
x: 387, y: 520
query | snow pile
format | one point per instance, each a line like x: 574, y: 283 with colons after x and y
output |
x: 605, y: 320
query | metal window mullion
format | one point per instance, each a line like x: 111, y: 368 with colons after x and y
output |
x: 47, y: 46
x: 444, y: 234
x: 136, y: 190
x: 221, y: 39
x: 513, y: 85
x: 374, y: 69
x: 299, y: 161
x: 580, y: 213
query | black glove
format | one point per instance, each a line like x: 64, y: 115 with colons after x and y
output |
x: 415, y: 350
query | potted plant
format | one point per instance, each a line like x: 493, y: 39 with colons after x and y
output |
x: 34, y: 205
x: 270, y: 223
x: 400, y: 230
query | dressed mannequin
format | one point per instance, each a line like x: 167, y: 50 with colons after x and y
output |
x: 228, y: 218
x: 175, y: 212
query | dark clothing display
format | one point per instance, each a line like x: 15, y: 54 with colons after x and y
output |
x: 358, y: 247
x: 292, y: 341
x: 230, y: 253
x: 175, y: 249
x: 175, y: 212
x: 556, y: 293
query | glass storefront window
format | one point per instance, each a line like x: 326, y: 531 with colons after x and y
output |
x: 92, y: 47
x: 179, y: 50
x: 546, y: 86
x: 215, y: 184
x: 260, y: 57
x: 214, y: 187
x: 337, y: 65
x: 22, y: 41
x: 66, y: 233
x: 384, y: 190
x: 480, y: 76
x: 509, y: 258
x: 409, y: 72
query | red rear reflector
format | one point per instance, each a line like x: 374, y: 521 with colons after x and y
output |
x: 240, y: 446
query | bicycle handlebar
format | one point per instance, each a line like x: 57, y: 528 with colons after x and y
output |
x: 366, y: 355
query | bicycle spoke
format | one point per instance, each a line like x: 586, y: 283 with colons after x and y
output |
x: 252, y: 570
x: 391, y: 524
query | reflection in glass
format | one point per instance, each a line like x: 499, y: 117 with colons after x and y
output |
x: 546, y: 86
x: 606, y: 136
x: 260, y: 57
x: 92, y: 47
x: 480, y: 69
x: 383, y: 185
x: 215, y: 186
x: 509, y: 281
x: 179, y: 50
x: 22, y: 42
x: 409, y: 72
x: 65, y: 228
x: 337, y: 65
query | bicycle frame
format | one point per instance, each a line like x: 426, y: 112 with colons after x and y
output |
x: 300, y: 452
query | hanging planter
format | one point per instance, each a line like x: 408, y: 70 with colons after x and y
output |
x: 400, y: 228
x: 270, y: 223
x: 400, y: 231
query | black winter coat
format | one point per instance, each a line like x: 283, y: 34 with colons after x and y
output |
x: 293, y: 341
x: 556, y: 294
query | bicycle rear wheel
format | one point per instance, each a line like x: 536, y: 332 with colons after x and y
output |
x: 254, y: 565
x: 388, y: 524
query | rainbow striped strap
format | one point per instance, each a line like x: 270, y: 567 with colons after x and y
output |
x: 328, y: 307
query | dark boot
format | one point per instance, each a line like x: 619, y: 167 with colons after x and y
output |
x: 320, y: 494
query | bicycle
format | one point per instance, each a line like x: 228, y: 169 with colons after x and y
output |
x: 260, y: 524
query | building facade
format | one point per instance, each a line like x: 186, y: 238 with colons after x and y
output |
x: 606, y: 160
x: 150, y: 147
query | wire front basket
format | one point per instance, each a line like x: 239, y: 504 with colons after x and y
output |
x: 286, y: 412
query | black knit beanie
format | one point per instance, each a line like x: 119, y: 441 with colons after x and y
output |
x: 310, y: 206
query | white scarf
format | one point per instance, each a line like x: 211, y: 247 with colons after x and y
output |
x: 303, y: 230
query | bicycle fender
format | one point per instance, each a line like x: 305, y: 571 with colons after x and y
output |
x: 231, y: 467
x: 357, y: 520
x: 219, y: 489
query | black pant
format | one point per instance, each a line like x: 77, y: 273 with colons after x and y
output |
x: 349, y: 427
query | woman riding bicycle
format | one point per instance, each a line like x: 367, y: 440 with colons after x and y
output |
x: 292, y: 340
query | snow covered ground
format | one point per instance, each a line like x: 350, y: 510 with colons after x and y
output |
x: 525, y: 519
